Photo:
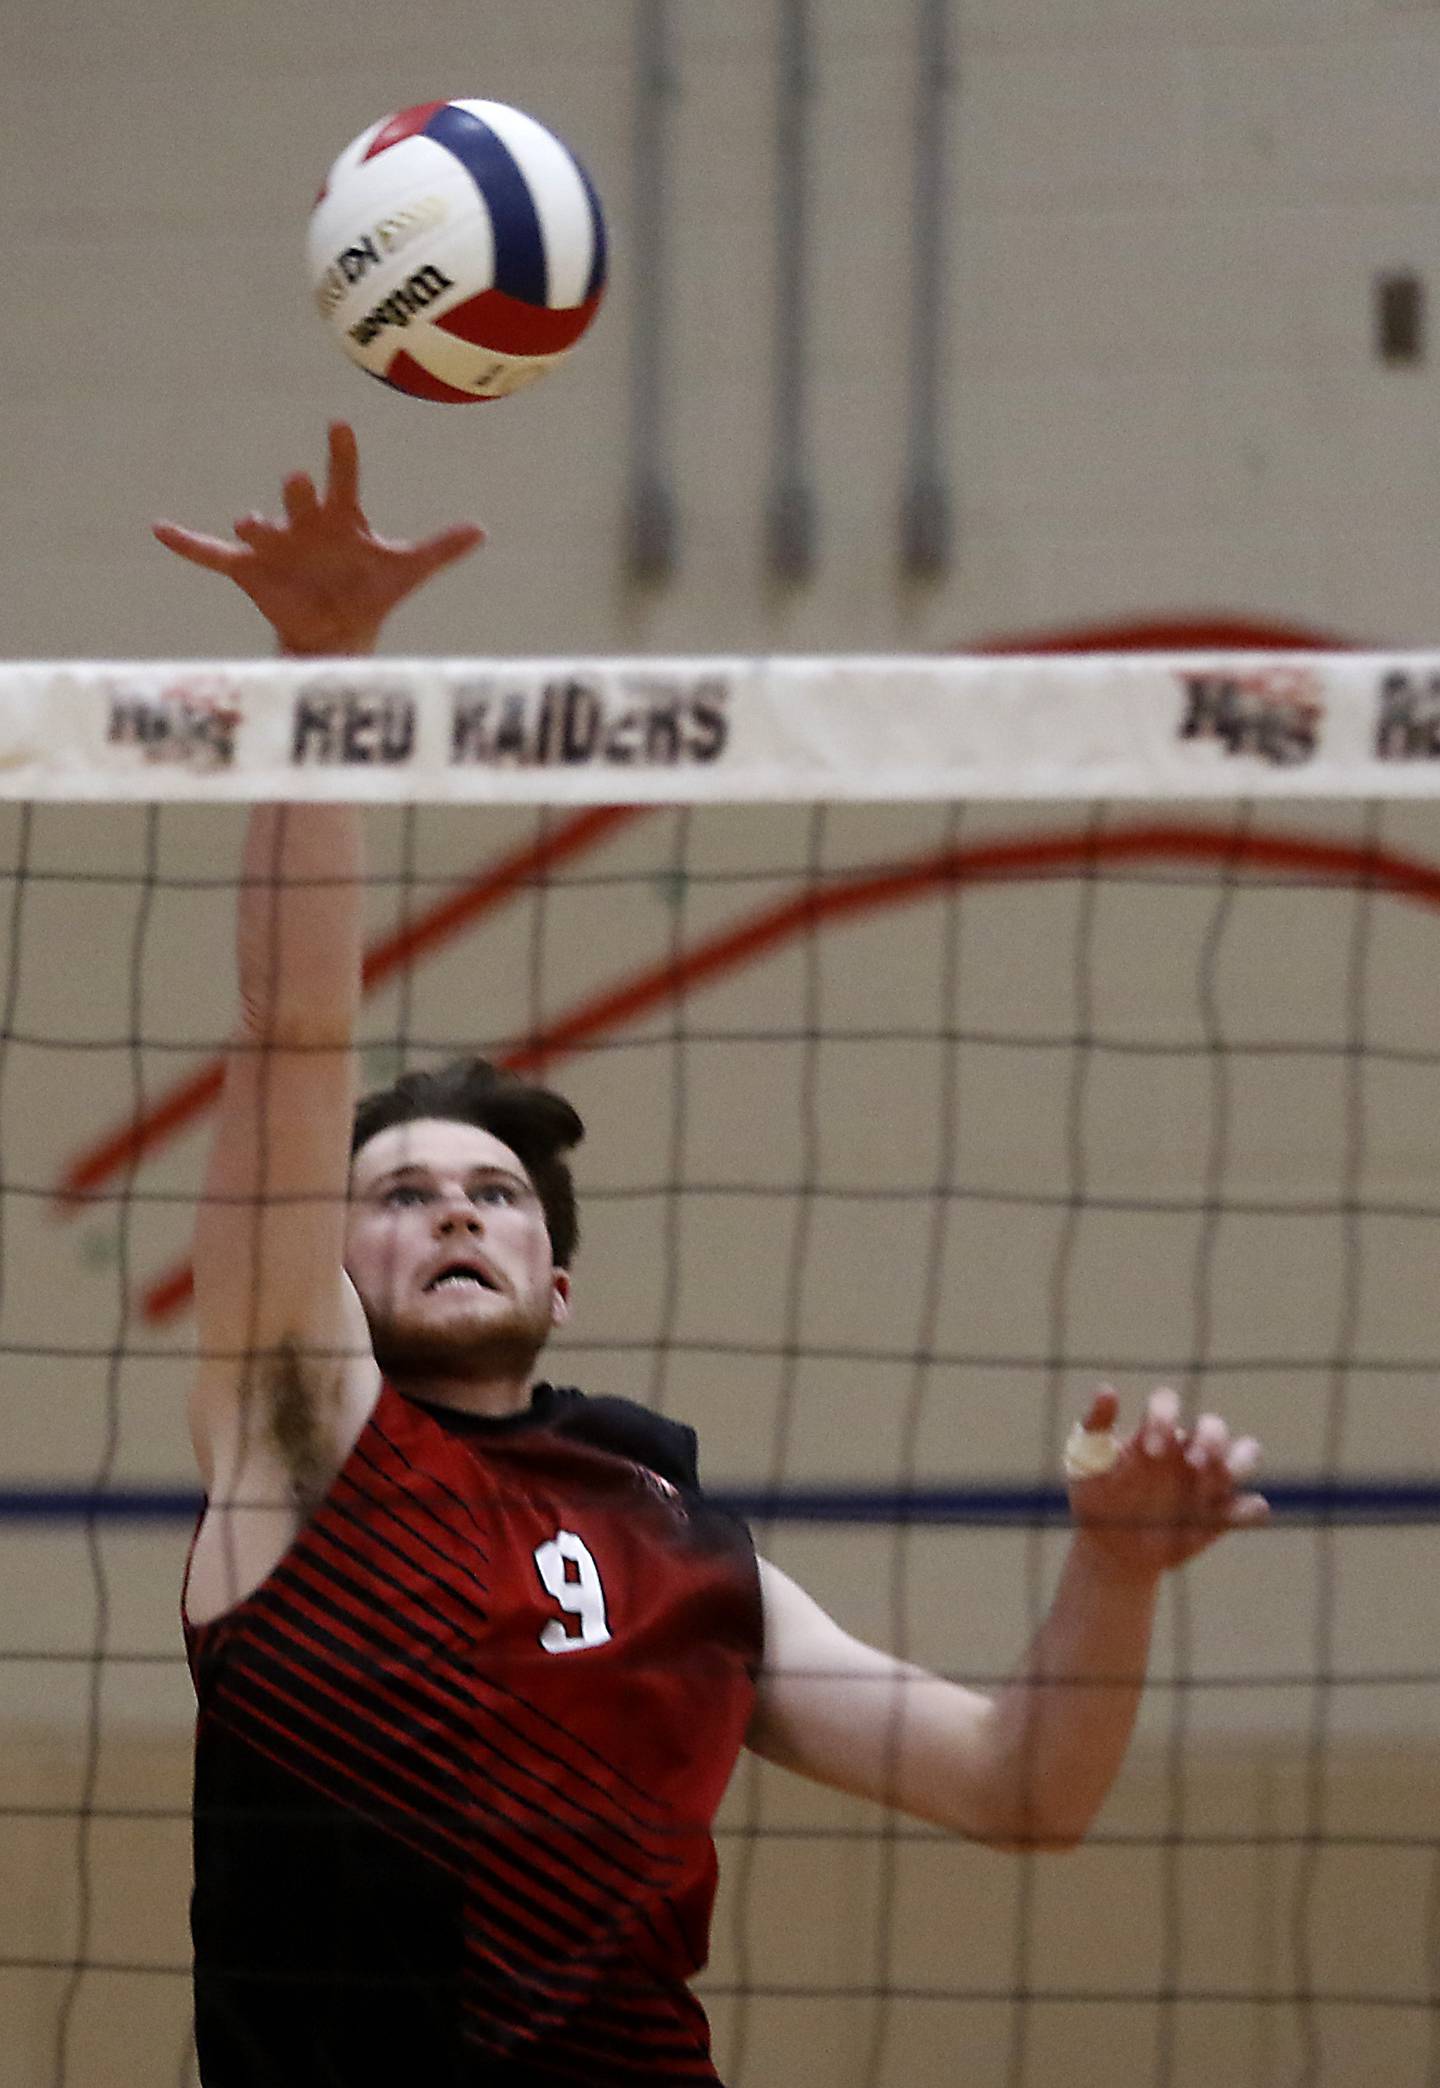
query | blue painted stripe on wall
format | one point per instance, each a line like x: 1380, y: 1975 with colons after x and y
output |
x: 1303, y: 1501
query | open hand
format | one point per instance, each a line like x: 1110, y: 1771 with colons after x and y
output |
x: 321, y: 576
x: 1170, y: 1493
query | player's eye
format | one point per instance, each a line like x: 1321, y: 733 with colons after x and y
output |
x: 496, y: 1193
x: 401, y: 1193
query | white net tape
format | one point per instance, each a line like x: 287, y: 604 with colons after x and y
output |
x: 724, y: 730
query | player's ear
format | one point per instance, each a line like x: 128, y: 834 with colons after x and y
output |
x: 559, y: 1297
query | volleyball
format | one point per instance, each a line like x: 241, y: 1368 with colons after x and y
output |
x: 457, y: 250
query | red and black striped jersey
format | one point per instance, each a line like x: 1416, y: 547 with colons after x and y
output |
x: 457, y: 1760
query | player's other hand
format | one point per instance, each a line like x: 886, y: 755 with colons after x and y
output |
x: 1171, y: 1493
x: 320, y: 575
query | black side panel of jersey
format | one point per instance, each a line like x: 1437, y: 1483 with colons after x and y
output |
x: 332, y: 1995
x: 627, y: 1430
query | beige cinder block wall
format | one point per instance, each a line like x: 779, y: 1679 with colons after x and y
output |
x: 1160, y: 391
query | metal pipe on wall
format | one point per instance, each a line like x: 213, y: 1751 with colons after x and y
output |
x: 927, y: 514
x: 790, y: 522
x: 652, y: 550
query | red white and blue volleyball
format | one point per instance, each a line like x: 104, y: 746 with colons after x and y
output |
x: 457, y: 250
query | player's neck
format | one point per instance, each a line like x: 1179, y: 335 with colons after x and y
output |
x: 493, y: 1393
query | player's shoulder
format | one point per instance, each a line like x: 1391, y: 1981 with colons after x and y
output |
x: 626, y: 1429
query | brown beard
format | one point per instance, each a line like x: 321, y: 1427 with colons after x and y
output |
x: 508, y: 1349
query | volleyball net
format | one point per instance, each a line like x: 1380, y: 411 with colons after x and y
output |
x: 951, y: 1034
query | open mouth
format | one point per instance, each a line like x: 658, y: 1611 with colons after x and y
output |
x: 461, y: 1276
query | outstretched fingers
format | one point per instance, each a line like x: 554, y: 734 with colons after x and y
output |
x: 434, y: 553
x: 301, y: 500
x: 1159, y: 1430
x: 318, y: 572
x: 1209, y: 1445
x: 211, y: 552
x: 1244, y: 1457
x: 342, y: 489
x: 1220, y: 1465
x: 1176, y: 1486
x: 1210, y: 1487
x: 256, y: 531
x: 1244, y: 1510
x: 1248, y: 1510
x: 1103, y: 1410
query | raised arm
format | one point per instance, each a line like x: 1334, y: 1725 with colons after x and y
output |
x: 1029, y: 1765
x: 287, y: 1378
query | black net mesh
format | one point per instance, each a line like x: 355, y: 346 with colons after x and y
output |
x: 906, y: 1125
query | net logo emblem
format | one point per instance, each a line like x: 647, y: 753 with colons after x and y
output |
x: 191, y: 724
x: 1407, y: 724
x: 1271, y: 713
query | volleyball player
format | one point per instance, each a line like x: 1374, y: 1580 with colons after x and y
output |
x: 473, y: 1654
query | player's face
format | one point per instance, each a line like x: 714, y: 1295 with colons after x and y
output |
x: 447, y: 1246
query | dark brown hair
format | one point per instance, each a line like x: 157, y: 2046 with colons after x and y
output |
x: 539, y: 1127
